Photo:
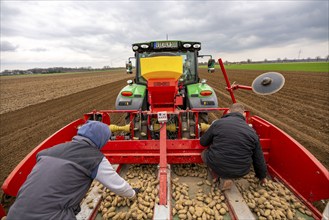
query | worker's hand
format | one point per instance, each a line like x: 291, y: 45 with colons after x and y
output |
x: 263, y: 182
x: 137, y: 190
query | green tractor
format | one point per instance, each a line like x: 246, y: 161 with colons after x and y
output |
x: 167, y: 80
x: 196, y: 93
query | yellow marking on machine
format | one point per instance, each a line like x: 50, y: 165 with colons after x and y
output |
x: 170, y: 127
x: 125, y: 128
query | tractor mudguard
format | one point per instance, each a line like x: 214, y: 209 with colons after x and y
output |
x: 198, y: 100
x: 131, y: 97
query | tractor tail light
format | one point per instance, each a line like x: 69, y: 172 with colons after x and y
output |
x: 206, y: 93
x: 126, y: 93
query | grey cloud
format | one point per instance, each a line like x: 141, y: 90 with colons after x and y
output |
x: 237, y: 25
x: 39, y: 49
x: 7, y: 46
x: 99, y: 28
x: 272, y: 24
x: 8, y: 12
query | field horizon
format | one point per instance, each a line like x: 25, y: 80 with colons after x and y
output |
x: 291, y: 66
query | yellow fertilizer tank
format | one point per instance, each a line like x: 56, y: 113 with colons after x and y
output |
x: 162, y: 67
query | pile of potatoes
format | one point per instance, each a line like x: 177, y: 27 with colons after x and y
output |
x: 203, y: 206
x: 89, y: 200
x: 193, y: 170
x: 117, y: 207
x: 272, y: 200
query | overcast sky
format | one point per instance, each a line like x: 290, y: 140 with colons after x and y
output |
x: 99, y: 33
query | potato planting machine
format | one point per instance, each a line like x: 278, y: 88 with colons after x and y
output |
x: 163, y: 112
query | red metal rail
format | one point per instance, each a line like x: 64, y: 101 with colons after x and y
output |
x: 289, y: 162
x: 163, y: 166
x: 18, y: 176
x: 230, y: 88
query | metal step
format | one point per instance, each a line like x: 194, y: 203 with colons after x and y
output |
x: 162, y: 212
x: 238, y: 205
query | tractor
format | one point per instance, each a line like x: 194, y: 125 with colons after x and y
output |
x: 167, y: 80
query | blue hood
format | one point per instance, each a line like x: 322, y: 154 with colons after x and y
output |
x: 98, y: 132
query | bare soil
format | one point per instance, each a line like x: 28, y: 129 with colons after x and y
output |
x: 33, y: 108
x: 20, y: 91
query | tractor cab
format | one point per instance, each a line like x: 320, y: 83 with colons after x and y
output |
x: 187, y: 51
x: 166, y: 78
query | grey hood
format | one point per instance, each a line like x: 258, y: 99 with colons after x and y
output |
x: 98, y: 132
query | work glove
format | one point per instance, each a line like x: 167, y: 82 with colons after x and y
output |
x: 137, y: 190
x: 263, y: 182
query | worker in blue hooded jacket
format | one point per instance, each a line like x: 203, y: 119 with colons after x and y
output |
x: 63, y: 174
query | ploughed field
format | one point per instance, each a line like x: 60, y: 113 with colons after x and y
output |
x: 34, y: 107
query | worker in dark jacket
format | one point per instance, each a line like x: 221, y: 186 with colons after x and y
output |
x: 233, y: 147
x: 63, y: 174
